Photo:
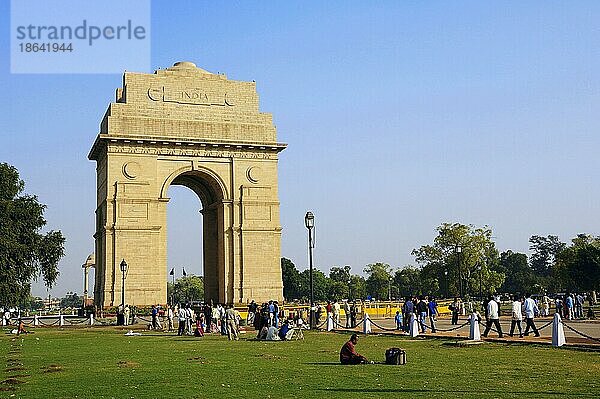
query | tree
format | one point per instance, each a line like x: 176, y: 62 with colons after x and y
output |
x: 467, y: 254
x: 339, y: 282
x: 408, y: 281
x: 577, y: 266
x: 71, y: 300
x: 187, y: 289
x: 378, y: 280
x: 25, y: 253
x: 358, y: 287
x: 544, y: 251
x: 320, y: 285
x: 519, y: 276
x: 291, y: 280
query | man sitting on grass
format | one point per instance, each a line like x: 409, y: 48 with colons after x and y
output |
x: 348, y: 354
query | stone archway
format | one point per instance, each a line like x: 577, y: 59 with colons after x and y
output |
x: 185, y: 126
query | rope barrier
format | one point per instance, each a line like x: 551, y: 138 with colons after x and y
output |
x: 341, y: 327
x: 383, y: 328
x: 452, y: 329
x: 545, y: 325
x: 579, y: 332
x: 48, y: 324
x: 71, y: 322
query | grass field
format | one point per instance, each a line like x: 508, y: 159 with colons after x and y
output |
x: 103, y: 363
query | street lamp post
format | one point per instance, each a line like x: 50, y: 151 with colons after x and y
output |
x: 390, y: 290
x: 172, y: 273
x: 124, y: 270
x: 309, y: 221
x: 349, y: 288
x: 446, y: 281
x: 460, y: 282
x: 480, y: 279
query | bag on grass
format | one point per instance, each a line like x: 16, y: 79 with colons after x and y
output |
x: 395, y: 356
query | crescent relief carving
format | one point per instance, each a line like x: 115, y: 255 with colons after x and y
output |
x: 254, y: 174
x: 131, y: 170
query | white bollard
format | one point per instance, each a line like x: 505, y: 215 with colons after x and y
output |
x: 558, y: 333
x: 61, y: 320
x: 91, y: 319
x: 329, y: 322
x: 414, y: 326
x: 35, y: 320
x: 367, y: 325
x: 474, y: 332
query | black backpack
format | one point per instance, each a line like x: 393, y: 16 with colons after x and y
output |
x: 395, y: 356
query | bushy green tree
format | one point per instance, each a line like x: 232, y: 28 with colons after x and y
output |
x: 339, y: 282
x: 408, y: 281
x: 186, y: 289
x: 519, y: 276
x: 378, y: 280
x: 544, y: 252
x: 578, y: 265
x: 467, y: 254
x: 25, y: 252
x: 71, y: 300
x: 358, y: 287
x: 291, y: 280
x: 320, y: 285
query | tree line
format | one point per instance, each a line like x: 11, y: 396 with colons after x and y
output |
x: 462, y: 260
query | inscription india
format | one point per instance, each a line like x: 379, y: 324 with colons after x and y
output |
x: 192, y: 96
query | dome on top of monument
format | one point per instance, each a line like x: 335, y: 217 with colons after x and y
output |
x: 187, y: 65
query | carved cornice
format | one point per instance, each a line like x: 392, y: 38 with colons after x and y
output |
x: 183, y: 147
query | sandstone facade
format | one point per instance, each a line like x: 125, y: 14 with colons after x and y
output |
x: 186, y: 126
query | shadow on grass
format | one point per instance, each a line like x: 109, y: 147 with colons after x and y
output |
x: 464, y: 391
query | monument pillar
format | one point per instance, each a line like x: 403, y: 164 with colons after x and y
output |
x: 186, y: 126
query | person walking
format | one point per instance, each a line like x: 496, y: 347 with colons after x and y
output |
x: 517, y: 316
x: 408, y: 309
x: 251, y: 313
x: 347, y: 313
x: 531, y: 310
x: 545, y: 305
x: 455, y: 308
x: 353, y: 311
x: 398, y: 320
x: 569, y: 314
x: 181, y: 319
x: 126, y: 315
x: 336, y: 314
x: 422, y: 313
x: 276, y: 314
x: 189, y: 319
x: 154, y: 317
x: 494, y: 317
x: 432, y: 308
x: 170, y: 318
x: 231, y: 317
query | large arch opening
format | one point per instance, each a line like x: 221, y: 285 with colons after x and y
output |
x: 200, y: 238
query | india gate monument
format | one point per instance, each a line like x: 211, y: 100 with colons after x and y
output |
x: 189, y: 127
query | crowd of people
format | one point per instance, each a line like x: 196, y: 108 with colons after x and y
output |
x: 198, y: 320
x: 274, y: 322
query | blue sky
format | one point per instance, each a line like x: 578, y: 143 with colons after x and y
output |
x: 399, y: 116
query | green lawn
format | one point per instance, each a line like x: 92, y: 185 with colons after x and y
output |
x: 103, y: 363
